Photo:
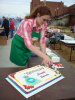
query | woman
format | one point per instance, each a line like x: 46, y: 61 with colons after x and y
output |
x: 32, y: 26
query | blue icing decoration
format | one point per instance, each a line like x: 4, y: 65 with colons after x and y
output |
x: 30, y: 80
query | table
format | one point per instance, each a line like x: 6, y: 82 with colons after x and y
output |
x: 1, y: 29
x: 62, y: 90
x: 3, y: 38
x: 66, y: 38
x: 68, y: 43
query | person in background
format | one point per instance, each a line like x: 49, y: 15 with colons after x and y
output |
x: 74, y: 35
x: 0, y: 21
x: 11, y: 25
x: 74, y: 31
x: 33, y: 26
x: 5, y: 24
x: 71, y: 27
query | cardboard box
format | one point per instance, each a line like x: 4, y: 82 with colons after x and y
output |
x: 3, y: 40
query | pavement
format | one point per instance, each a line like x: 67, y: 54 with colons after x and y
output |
x: 4, y: 55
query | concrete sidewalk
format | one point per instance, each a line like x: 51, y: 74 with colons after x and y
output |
x: 4, y: 55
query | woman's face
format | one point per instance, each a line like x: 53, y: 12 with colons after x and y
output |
x: 41, y: 19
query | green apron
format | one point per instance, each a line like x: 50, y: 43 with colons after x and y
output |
x: 19, y: 53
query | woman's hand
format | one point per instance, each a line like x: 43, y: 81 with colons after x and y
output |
x: 47, y: 61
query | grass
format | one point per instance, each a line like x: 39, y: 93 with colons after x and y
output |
x: 65, y: 53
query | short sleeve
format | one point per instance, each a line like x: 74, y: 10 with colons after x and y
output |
x: 43, y: 31
x: 27, y: 28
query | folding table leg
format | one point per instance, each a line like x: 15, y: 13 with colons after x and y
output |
x: 70, y: 53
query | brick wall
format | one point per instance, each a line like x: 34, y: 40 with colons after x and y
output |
x: 57, y: 8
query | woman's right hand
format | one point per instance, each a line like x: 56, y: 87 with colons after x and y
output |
x: 47, y: 61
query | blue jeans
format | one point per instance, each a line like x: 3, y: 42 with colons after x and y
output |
x: 11, y: 32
